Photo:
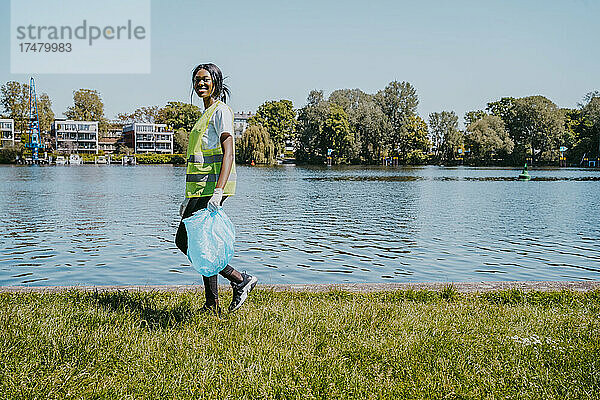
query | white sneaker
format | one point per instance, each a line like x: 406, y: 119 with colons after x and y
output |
x: 241, y: 290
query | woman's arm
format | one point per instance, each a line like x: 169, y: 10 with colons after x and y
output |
x: 226, y: 140
x: 227, y: 146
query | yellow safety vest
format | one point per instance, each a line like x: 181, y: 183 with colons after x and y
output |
x: 204, y: 164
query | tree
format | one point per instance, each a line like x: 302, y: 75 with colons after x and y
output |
x: 178, y: 115
x: 486, y: 137
x: 505, y: 110
x: 534, y: 123
x: 123, y: 149
x: 9, y: 154
x: 180, y: 141
x: 371, y: 126
x: 87, y: 106
x: 279, y: 118
x: 472, y: 116
x: 336, y: 135
x: 255, y: 145
x: 591, y: 116
x: 588, y: 98
x: 15, y: 101
x: 315, y: 97
x: 417, y: 141
x: 445, y: 134
x: 571, y: 122
x: 14, y: 98
x: 350, y: 99
x: 540, y: 126
x: 143, y: 114
x: 398, y: 102
x: 45, y: 113
x: 584, y: 124
x: 311, y: 119
x: 368, y: 123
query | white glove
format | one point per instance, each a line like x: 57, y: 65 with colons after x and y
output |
x: 183, y: 206
x: 215, y: 200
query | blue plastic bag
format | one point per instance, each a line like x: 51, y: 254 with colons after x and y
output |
x: 210, y: 240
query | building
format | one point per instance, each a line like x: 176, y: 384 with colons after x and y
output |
x: 75, y: 136
x: 240, y: 123
x: 148, y: 138
x: 109, y: 141
x: 17, y: 137
x: 7, y: 132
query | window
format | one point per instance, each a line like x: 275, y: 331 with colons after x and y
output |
x: 143, y: 128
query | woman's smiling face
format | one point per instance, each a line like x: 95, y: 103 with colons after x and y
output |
x: 203, y: 84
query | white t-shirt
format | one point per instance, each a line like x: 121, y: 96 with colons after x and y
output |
x: 221, y: 121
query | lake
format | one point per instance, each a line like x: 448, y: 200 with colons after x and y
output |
x: 115, y: 225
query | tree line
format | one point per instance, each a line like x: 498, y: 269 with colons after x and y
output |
x: 354, y: 127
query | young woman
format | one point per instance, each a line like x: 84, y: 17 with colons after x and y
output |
x: 210, y: 176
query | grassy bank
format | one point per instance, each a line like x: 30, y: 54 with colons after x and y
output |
x: 404, y: 344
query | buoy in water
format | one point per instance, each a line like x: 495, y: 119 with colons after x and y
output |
x: 524, y: 176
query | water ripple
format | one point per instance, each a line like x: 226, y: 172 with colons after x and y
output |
x: 116, y: 225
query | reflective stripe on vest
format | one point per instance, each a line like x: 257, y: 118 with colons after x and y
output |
x: 204, y: 164
x: 205, y: 177
x: 200, y: 158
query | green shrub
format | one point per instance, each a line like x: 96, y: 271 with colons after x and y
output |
x: 9, y: 154
x: 88, y: 158
x: 160, y: 158
x: 417, y: 157
x: 141, y: 158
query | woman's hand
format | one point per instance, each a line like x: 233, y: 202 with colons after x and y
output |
x: 215, y: 200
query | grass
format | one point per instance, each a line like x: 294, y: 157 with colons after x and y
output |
x: 403, y: 344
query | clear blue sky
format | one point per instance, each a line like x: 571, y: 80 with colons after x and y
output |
x: 458, y: 54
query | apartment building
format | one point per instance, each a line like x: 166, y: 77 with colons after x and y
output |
x: 109, y: 141
x: 7, y: 132
x: 75, y: 136
x: 240, y: 123
x: 148, y: 138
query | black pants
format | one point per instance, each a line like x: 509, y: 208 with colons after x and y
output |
x: 211, y: 288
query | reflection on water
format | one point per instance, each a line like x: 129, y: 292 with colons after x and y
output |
x: 116, y: 225
x: 410, y: 178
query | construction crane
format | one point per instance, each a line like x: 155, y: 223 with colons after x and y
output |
x: 33, y: 128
